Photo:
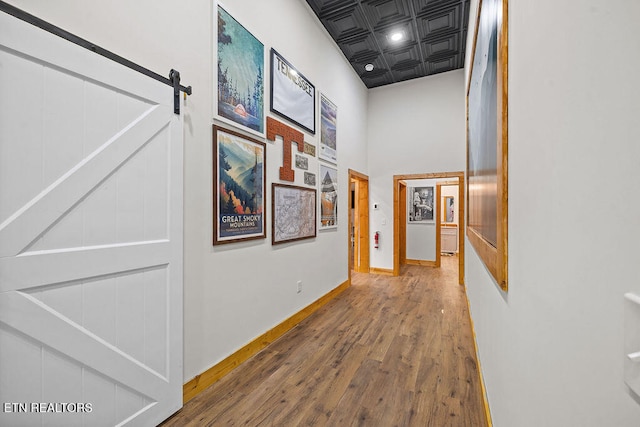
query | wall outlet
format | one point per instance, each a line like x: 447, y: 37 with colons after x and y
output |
x: 299, y: 286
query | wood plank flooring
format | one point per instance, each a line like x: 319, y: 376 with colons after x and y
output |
x: 389, y: 351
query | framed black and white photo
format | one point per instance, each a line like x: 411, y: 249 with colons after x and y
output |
x: 302, y: 162
x: 420, y: 204
x: 310, y: 179
x: 328, y: 126
x: 293, y: 97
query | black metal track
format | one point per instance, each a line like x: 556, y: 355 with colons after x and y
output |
x: 26, y: 17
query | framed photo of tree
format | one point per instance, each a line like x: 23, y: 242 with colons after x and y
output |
x: 487, y: 148
x: 239, y: 181
x: 240, y: 75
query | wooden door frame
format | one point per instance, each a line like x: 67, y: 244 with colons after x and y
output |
x: 361, y: 214
x: 461, y: 217
x: 402, y: 218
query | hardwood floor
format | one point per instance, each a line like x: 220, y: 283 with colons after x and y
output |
x: 389, y: 351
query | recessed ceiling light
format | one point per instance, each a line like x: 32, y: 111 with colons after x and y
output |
x: 397, y: 36
x: 368, y: 67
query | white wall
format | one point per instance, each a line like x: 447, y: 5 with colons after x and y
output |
x: 238, y: 291
x: 421, y: 237
x: 551, y: 349
x: 416, y: 126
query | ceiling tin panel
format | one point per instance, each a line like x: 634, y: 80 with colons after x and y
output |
x: 443, y: 21
x: 426, y: 6
x: 407, y: 57
x: 321, y: 7
x: 346, y: 23
x: 406, y: 28
x: 382, y: 13
x: 360, y: 48
x: 446, y: 45
x: 442, y: 65
x: 435, y: 36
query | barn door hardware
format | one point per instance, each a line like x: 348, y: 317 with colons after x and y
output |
x: 33, y: 20
x: 174, y: 76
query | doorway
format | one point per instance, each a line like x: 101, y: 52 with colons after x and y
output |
x: 400, y: 217
x: 358, y: 222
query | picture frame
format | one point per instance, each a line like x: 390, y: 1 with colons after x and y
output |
x: 328, y: 130
x: 487, y: 140
x: 328, y: 197
x: 302, y: 162
x: 239, y: 181
x: 293, y: 96
x: 310, y: 179
x: 240, y: 56
x: 293, y: 213
x: 421, y: 205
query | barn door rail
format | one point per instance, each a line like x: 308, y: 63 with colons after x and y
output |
x: 174, y: 76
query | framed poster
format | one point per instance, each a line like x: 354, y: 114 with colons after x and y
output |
x: 293, y: 213
x: 328, y: 125
x: 487, y: 131
x: 328, y: 197
x: 293, y: 97
x: 240, y: 75
x: 420, y: 205
x: 239, y: 181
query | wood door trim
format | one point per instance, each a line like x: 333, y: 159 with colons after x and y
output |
x: 461, y: 215
x: 362, y: 203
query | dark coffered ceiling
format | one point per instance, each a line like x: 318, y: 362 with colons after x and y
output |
x: 435, y: 34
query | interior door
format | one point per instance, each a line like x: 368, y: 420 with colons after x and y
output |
x: 90, y: 237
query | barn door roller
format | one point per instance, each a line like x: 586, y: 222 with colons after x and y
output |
x: 174, y: 76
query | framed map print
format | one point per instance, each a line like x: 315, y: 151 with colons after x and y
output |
x: 293, y: 213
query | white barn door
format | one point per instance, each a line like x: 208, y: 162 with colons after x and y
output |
x: 90, y: 237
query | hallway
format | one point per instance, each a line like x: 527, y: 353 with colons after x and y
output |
x: 389, y: 351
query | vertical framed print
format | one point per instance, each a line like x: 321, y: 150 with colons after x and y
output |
x: 487, y: 135
x: 239, y: 181
x: 328, y: 126
x: 293, y: 97
x: 240, y: 75
x: 328, y: 197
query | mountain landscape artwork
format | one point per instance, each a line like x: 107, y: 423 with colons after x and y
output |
x: 240, y: 182
x: 240, y: 74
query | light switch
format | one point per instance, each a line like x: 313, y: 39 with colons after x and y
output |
x: 632, y: 341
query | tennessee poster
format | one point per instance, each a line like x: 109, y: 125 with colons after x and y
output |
x: 239, y: 182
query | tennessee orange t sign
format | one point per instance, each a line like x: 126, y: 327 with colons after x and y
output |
x: 289, y: 135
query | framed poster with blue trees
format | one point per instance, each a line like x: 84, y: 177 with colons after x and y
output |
x: 240, y: 75
x: 239, y: 181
